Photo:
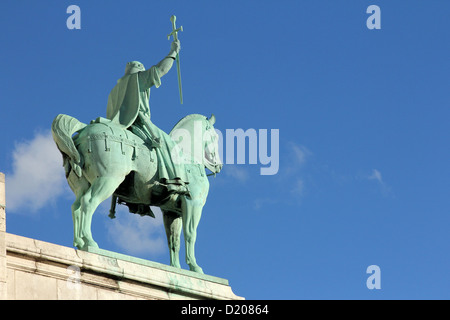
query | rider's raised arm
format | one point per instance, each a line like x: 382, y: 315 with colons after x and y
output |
x: 152, y: 76
x: 165, y: 64
x: 149, y: 78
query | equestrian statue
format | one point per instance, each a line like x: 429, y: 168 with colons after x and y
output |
x: 125, y: 156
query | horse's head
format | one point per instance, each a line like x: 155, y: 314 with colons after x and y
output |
x: 197, y: 142
x: 211, y: 146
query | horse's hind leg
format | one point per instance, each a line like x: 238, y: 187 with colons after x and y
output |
x: 76, y: 216
x: 101, y: 189
x: 173, y: 224
x: 79, y: 186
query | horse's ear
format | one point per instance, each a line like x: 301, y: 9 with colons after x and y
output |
x: 212, y: 120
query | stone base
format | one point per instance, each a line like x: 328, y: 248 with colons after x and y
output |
x: 41, y: 270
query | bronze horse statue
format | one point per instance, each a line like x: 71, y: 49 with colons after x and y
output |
x: 103, y: 160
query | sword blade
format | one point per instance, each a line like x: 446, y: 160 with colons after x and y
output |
x: 179, y: 78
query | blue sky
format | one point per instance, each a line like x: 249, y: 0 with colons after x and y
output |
x: 363, y: 120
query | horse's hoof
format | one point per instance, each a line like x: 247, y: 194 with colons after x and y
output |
x: 78, y: 243
x: 90, y: 243
x: 196, y: 269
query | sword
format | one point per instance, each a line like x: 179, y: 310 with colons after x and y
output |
x: 175, y: 38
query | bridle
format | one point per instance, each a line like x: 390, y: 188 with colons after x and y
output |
x: 213, y: 167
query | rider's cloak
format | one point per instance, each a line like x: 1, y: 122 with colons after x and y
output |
x: 128, y: 104
x: 130, y: 95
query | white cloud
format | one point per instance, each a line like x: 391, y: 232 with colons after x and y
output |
x: 295, y: 160
x: 262, y: 202
x: 376, y: 175
x: 298, y: 188
x: 136, y: 234
x: 293, y: 173
x: 237, y: 173
x: 385, y: 189
x: 290, y: 177
x: 38, y: 176
x: 300, y: 153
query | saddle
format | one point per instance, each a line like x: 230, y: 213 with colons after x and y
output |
x: 165, y: 192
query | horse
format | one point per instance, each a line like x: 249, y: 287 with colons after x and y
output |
x: 103, y: 160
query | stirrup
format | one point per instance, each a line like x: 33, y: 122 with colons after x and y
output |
x: 174, y: 186
x: 176, y: 181
x: 180, y: 189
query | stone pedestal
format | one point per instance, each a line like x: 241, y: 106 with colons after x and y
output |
x: 33, y: 269
x: 41, y: 270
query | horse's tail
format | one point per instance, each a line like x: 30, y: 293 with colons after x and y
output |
x: 63, y: 127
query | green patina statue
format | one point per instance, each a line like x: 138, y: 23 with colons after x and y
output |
x: 128, y: 107
x: 126, y: 157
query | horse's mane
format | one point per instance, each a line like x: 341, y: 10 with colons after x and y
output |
x: 188, y: 118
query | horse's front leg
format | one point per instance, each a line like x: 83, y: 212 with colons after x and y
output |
x: 173, y: 225
x: 191, y: 218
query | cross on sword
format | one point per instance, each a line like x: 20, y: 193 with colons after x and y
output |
x: 175, y: 38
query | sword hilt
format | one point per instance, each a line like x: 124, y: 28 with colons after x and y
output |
x: 174, y: 29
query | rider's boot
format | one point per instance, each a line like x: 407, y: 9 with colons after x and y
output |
x: 176, y: 186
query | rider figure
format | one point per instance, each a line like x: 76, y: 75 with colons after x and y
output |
x: 128, y: 106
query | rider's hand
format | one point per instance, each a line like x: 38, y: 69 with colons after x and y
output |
x: 175, y: 47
